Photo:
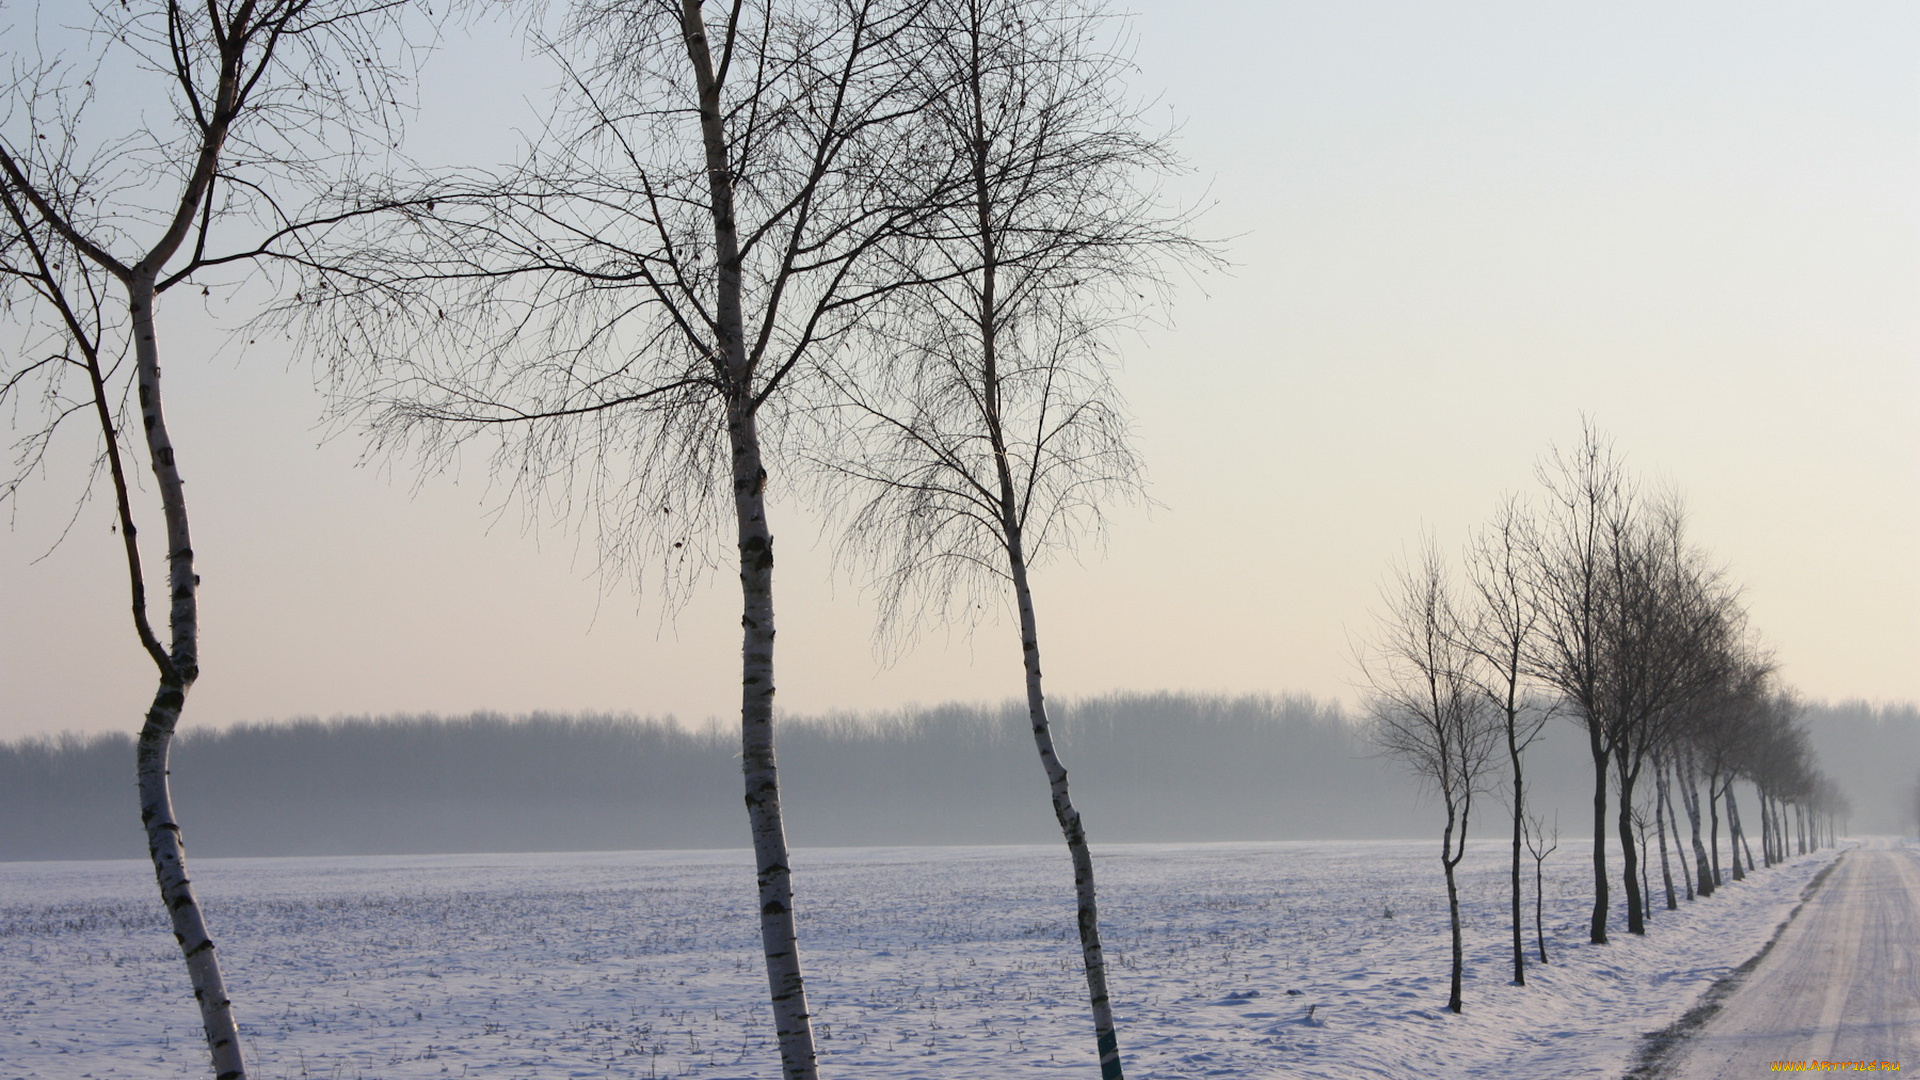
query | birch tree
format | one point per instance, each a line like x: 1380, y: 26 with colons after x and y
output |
x: 629, y: 316
x: 1427, y: 710
x: 105, y: 213
x: 978, y: 431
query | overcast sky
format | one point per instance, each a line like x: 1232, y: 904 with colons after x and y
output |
x: 1455, y: 228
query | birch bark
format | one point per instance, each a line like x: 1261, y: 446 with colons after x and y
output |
x: 779, y: 937
x: 1087, y: 915
x: 165, y: 844
x: 700, y: 227
x: 252, y: 111
x: 982, y: 428
x: 1012, y: 535
x: 773, y: 874
x: 178, y: 662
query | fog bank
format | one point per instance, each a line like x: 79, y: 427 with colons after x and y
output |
x: 1145, y: 767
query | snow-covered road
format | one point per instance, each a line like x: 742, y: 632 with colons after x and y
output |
x: 1842, y: 984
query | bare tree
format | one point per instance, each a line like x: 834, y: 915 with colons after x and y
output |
x: 1503, y: 619
x: 1590, y: 497
x: 1673, y: 634
x: 1641, y: 825
x: 1427, y: 710
x: 1635, y: 630
x: 263, y: 97
x: 1832, y: 806
x: 1540, y: 844
x: 979, y: 431
x: 1720, y: 734
x: 1775, y: 757
x: 630, y: 317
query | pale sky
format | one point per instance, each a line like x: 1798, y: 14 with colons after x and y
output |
x: 1455, y: 228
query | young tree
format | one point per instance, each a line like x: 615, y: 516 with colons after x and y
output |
x: 1503, y: 619
x: 106, y: 214
x: 1426, y: 709
x: 1640, y: 827
x: 633, y: 315
x: 1540, y: 845
x: 979, y: 431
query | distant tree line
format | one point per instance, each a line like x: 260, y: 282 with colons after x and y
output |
x: 948, y: 774
x: 1159, y: 767
x: 1592, y: 604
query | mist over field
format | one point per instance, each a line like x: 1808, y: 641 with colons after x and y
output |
x: 1146, y: 768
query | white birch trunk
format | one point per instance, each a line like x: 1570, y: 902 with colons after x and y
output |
x: 1093, y: 957
x: 779, y: 938
x: 1106, y: 1036
x: 164, y: 842
x: 773, y: 874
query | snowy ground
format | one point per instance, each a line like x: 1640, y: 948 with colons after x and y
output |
x: 955, y: 963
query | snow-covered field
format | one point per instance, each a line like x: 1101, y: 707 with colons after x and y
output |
x: 956, y: 963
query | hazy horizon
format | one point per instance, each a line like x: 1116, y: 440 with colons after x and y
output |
x: 1147, y: 768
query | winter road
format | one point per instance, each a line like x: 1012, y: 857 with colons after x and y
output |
x: 1841, y: 986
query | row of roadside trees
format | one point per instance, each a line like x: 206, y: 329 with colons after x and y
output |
x: 876, y: 247
x: 1591, y: 604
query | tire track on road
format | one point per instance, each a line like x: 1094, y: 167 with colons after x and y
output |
x: 1839, y: 982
